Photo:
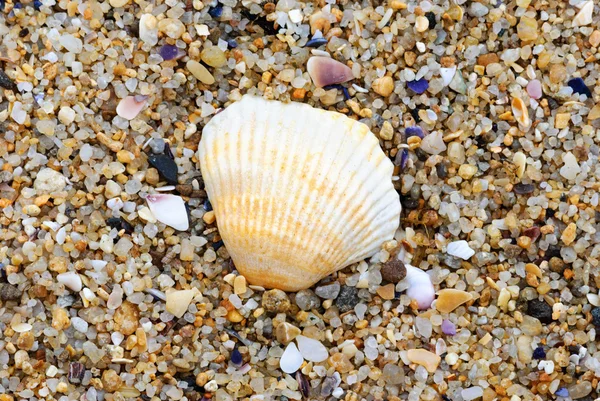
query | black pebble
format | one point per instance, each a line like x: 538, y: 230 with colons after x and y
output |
x: 409, y: 203
x: 442, y: 170
x: 120, y: 224
x: 6, y: 82
x: 347, y: 299
x: 596, y: 317
x: 431, y: 17
x: 539, y: 353
x: 9, y: 292
x: 542, y: 311
x: 523, y: 189
x: 165, y: 166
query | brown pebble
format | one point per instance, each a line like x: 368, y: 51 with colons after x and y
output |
x: 126, y: 318
x: 9, y: 292
x: 275, y: 301
x: 486, y: 59
x: 393, y: 270
x: 111, y: 381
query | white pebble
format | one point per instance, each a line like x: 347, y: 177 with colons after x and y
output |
x: 312, y: 350
x: 460, y: 249
x: 71, y: 280
x: 291, y: 360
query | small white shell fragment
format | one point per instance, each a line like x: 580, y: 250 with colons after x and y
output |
x: 178, y: 302
x: 593, y: 299
x: 326, y: 71
x: 295, y: 16
x: 291, y: 360
x: 170, y: 210
x: 130, y: 106
x: 54, y: 226
x: 447, y: 73
x: 420, y: 287
x: 312, y: 350
x: 520, y: 112
x: 22, y: 327
x: 520, y: 160
x: 71, y: 280
x: 460, y: 249
x: 585, y: 15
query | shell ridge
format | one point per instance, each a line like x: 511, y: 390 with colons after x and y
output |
x: 329, y: 205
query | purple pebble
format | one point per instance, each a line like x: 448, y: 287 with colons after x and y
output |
x: 414, y: 131
x: 448, y: 327
x: 419, y: 86
x: 562, y: 392
x: 168, y: 52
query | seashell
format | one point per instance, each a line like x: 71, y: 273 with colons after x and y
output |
x: 520, y: 112
x: 291, y: 360
x: 420, y: 287
x: 460, y: 249
x: 326, y: 71
x: 298, y: 192
x: 585, y: 15
x: 169, y: 210
x: 447, y: 74
x: 130, y: 106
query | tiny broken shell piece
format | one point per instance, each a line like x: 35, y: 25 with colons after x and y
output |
x: 326, y: 71
x: 291, y: 360
x: 177, y: 302
x: 420, y: 287
x: 450, y: 299
x: 447, y: 74
x: 71, y: 280
x: 130, y: 106
x: 520, y: 112
x: 585, y: 15
x: 170, y: 210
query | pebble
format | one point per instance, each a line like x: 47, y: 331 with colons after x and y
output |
x: 239, y: 285
x: 471, y: 393
x: 427, y: 359
x: 119, y: 3
x: 387, y: 291
x: 580, y: 390
x: 341, y: 363
x: 569, y: 234
x: 392, y: 374
x: 393, y: 270
x: 596, y: 317
x: 213, y: 56
x: 291, y: 360
x: 540, y: 310
x: 275, y: 301
x: 531, y: 326
x: 200, y: 72
x: 17, y: 113
x: 329, y: 291
x: 71, y: 280
x: 571, y: 167
x: 49, y: 181
x: 418, y: 86
x: 178, y: 302
x: 286, y: 332
x: 66, y: 115
x: 307, y: 300
x: 166, y: 167
x: 447, y: 74
x: 9, y: 292
x: 421, y: 23
x: 383, y: 86
x: 527, y: 29
x: 126, y: 318
x: 311, y: 350
x: 579, y: 87
x: 148, y: 29
x: 449, y: 299
x: 71, y: 43
x: 347, y: 299
x: 173, y: 28
x: 433, y: 143
x: 534, y: 89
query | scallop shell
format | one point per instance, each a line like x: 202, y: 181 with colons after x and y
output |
x: 298, y: 192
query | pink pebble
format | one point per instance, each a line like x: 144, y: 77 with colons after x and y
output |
x: 131, y: 106
x: 534, y: 89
